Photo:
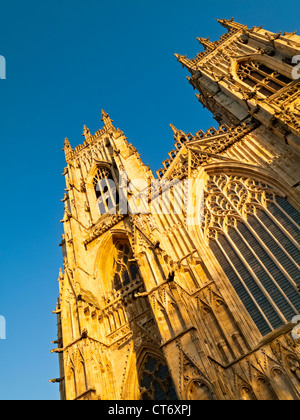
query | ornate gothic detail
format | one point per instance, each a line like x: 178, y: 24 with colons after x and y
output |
x: 155, y: 381
x: 108, y: 221
x: 152, y: 307
x: 287, y: 106
x: 261, y: 78
x: 204, y: 147
x: 230, y: 199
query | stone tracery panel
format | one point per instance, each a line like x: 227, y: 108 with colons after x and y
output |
x: 155, y: 380
x: 254, y: 233
x: 105, y: 190
x: 261, y: 78
x: 125, y: 266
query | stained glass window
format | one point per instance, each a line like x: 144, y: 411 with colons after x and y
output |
x: 255, y: 236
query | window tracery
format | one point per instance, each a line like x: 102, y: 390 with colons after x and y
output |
x: 106, y: 192
x: 155, y: 381
x: 125, y: 266
x: 254, y: 234
x: 261, y: 78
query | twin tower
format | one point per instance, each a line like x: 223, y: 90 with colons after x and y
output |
x: 151, y: 307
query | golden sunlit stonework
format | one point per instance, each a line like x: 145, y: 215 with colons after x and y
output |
x: 152, y: 307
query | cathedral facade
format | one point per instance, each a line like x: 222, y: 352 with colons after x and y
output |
x: 159, y: 300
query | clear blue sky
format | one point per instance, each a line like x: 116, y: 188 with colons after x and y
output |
x: 66, y: 60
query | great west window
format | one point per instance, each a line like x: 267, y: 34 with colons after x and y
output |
x: 254, y: 234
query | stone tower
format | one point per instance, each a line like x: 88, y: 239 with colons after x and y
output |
x: 153, y: 307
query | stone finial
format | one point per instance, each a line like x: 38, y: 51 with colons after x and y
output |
x: 67, y: 146
x: 206, y: 43
x: 230, y: 24
x: 86, y: 131
x: 185, y: 62
x: 177, y: 133
x: 174, y: 129
x: 106, y: 119
x: 60, y: 274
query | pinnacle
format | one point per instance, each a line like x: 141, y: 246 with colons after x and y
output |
x: 230, y: 24
x: 185, y: 62
x: 178, y: 56
x: 203, y: 40
x: 67, y: 145
x: 106, y: 118
x: 206, y: 43
x: 221, y: 21
x: 86, y: 131
x: 104, y: 114
x: 175, y: 130
x: 225, y: 20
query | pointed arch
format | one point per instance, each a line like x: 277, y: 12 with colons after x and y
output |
x: 264, y: 389
x: 95, y: 375
x: 102, y: 189
x: 260, y: 174
x: 247, y: 393
x: 131, y: 390
x: 70, y: 378
x: 110, y: 380
x: 154, y: 378
x: 115, y: 263
x: 261, y: 73
x: 252, y: 228
x: 282, y: 384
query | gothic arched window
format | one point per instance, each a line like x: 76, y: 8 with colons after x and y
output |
x: 125, y: 267
x: 106, y: 191
x: 254, y: 234
x: 262, y: 78
x: 155, y: 381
